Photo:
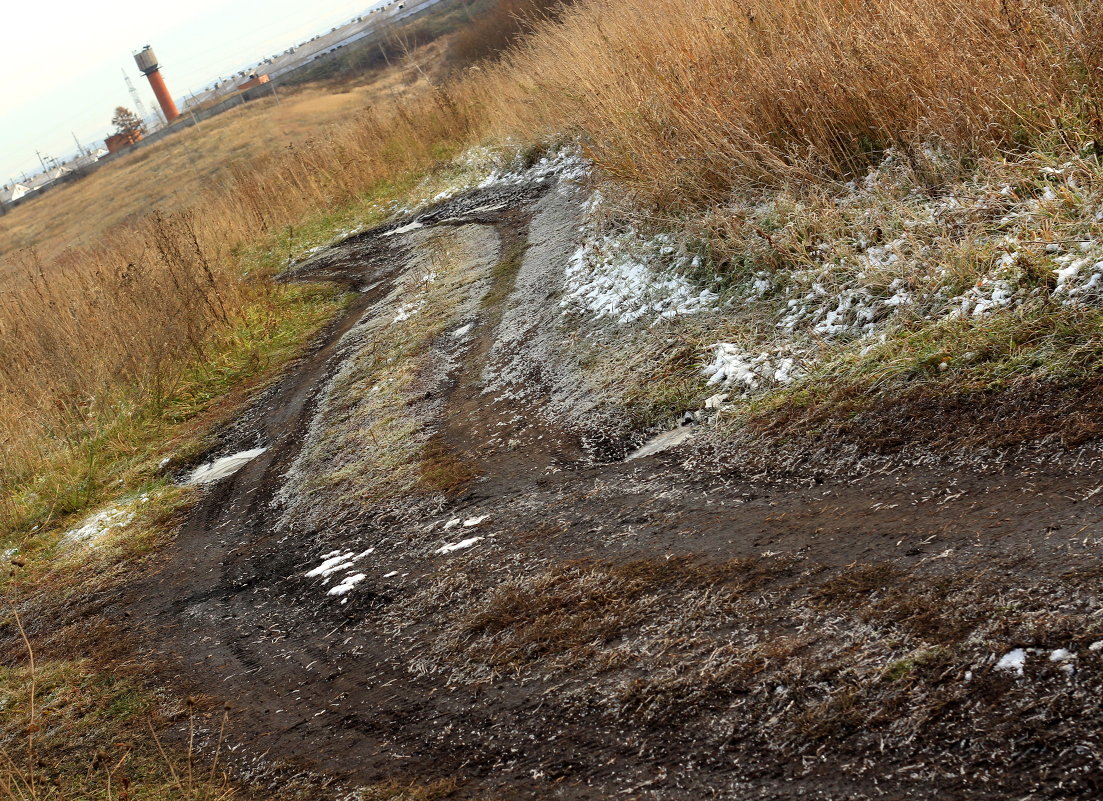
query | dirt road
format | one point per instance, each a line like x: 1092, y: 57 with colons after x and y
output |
x: 554, y: 621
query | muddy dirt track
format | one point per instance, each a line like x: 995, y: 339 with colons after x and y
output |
x: 666, y: 627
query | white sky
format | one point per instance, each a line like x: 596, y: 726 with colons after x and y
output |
x: 62, y: 60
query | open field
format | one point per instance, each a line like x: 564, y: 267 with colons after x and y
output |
x: 195, y: 161
x: 663, y: 399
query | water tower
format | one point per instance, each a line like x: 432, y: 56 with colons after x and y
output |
x: 147, y: 63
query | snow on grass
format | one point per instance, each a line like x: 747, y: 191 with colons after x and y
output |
x: 408, y: 310
x: 98, y: 525
x: 336, y: 561
x: 1013, y: 661
x: 223, y: 467
x: 475, y: 521
x: 733, y: 367
x: 566, y: 163
x: 1065, y: 659
x: 485, y: 168
x: 339, y: 561
x: 459, y: 546
x: 629, y: 277
x: 849, y: 269
x: 347, y: 584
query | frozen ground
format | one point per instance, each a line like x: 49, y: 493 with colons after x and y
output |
x: 433, y: 572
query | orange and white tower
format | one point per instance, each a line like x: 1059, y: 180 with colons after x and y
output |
x: 147, y: 63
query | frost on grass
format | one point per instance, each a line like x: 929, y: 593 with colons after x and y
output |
x: 99, y: 525
x: 823, y: 274
x: 628, y: 277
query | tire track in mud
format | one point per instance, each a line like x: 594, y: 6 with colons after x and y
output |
x: 333, y: 690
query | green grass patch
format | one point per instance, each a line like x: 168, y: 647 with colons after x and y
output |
x: 117, y: 445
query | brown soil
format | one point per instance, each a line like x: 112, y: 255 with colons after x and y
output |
x: 642, y: 629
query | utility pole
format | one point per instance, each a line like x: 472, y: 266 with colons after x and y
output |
x: 80, y: 147
x: 139, y: 106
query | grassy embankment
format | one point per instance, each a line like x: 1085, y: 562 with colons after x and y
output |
x: 683, y: 104
x: 740, y: 125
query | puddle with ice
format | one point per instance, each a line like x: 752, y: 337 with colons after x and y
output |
x: 221, y: 468
x: 405, y: 229
x: 663, y: 442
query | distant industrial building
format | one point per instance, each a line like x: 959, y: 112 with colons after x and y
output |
x: 121, y: 141
x: 254, y: 80
x: 10, y: 194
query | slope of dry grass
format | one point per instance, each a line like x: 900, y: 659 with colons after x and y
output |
x: 98, y: 343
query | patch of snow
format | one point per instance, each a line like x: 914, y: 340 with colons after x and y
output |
x: 405, y: 229
x: 731, y: 366
x: 663, y: 442
x: 336, y: 561
x: 224, y: 467
x: 392, y: 574
x: 96, y: 526
x: 459, y: 546
x: 567, y: 163
x: 1061, y: 655
x: 347, y: 584
x: 717, y: 401
x: 408, y: 310
x: 627, y: 277
x: 461, y: 333
x: 1013, y: 661
x: 475, y: 521
x: 455, y: 521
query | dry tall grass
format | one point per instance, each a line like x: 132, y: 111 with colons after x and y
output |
x: 683, y: 100
x: 102, y: 334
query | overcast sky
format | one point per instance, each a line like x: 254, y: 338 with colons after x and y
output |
x: 63, y: 61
